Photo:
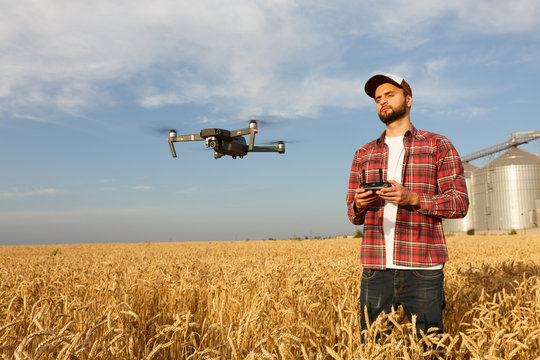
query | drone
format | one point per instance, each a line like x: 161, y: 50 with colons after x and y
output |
x: 227, y: 142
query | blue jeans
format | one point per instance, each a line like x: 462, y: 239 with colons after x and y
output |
x: 420, y: 292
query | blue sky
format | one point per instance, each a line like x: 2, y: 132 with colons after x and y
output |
x: 82, y: 82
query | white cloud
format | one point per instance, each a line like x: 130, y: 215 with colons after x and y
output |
x: 34, y: 118
x: 461, y: 112
x: 15, y: 193
x: 141, y: 187
x: 190, y: 190
x: 408, y: 23
x: 498, y: 16
x: 274, y: 57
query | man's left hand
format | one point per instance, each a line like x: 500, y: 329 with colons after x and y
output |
x: 398, y: 194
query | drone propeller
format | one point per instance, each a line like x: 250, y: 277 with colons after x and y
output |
x: 267, y: 122
x: 157, y: 130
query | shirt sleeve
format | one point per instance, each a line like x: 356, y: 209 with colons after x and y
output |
x: 355, y: 216
x: 452, y: 200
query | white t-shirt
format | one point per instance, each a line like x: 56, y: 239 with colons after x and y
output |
x: 396, y: 153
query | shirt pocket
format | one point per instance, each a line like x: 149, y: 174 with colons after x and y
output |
x: 421, y: 170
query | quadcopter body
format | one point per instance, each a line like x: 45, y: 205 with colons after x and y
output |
x: 227, y: 142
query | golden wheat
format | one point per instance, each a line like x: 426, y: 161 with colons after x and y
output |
x: 257, y: 300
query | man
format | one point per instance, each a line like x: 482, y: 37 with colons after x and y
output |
x: 403, y: 247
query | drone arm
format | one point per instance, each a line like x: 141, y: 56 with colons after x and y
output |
x: 246, y: 131
x: 279, y: 149
x: 172, y: 139
x: 192, y: 137
x: 171, y: 146
x: 251, y: 130
x: 264, y: 149
x: 240, y: 132
x: 252, y: 139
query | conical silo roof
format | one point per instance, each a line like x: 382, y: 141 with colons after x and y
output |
x: 467, y: 166
x: 513, y: 156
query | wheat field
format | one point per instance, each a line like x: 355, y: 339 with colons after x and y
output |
x: 256, y: 300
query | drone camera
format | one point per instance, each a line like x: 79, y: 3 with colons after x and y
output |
x: 212, y: 142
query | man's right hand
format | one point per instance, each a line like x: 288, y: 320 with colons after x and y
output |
x: 362, y: 198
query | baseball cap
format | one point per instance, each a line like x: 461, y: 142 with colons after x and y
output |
x: 373, y: 83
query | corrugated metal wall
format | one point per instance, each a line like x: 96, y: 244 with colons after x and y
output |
x: 503, y: 194
x: 505, y: 197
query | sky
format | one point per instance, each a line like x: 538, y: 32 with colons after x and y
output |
x: 85, y: 84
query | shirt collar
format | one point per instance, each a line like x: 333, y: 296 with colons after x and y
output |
x: 412, y: 131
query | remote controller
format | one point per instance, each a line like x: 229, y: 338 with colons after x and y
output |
x: 375, y: 186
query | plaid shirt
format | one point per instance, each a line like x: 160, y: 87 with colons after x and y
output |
x: 432, y: 168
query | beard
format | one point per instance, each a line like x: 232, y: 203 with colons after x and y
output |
x: 394, y: 114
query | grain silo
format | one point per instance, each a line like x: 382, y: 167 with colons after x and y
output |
x: 505, y: 191
x: 466, y: 223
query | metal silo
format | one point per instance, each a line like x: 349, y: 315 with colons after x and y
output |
x: 466, y: 223
x: 535, y: 215
x: 505, y: 191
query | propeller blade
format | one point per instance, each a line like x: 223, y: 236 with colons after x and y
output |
x: 267, y: 122
x: 156, y: 130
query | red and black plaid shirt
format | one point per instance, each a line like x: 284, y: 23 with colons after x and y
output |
x: 432, y: 168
